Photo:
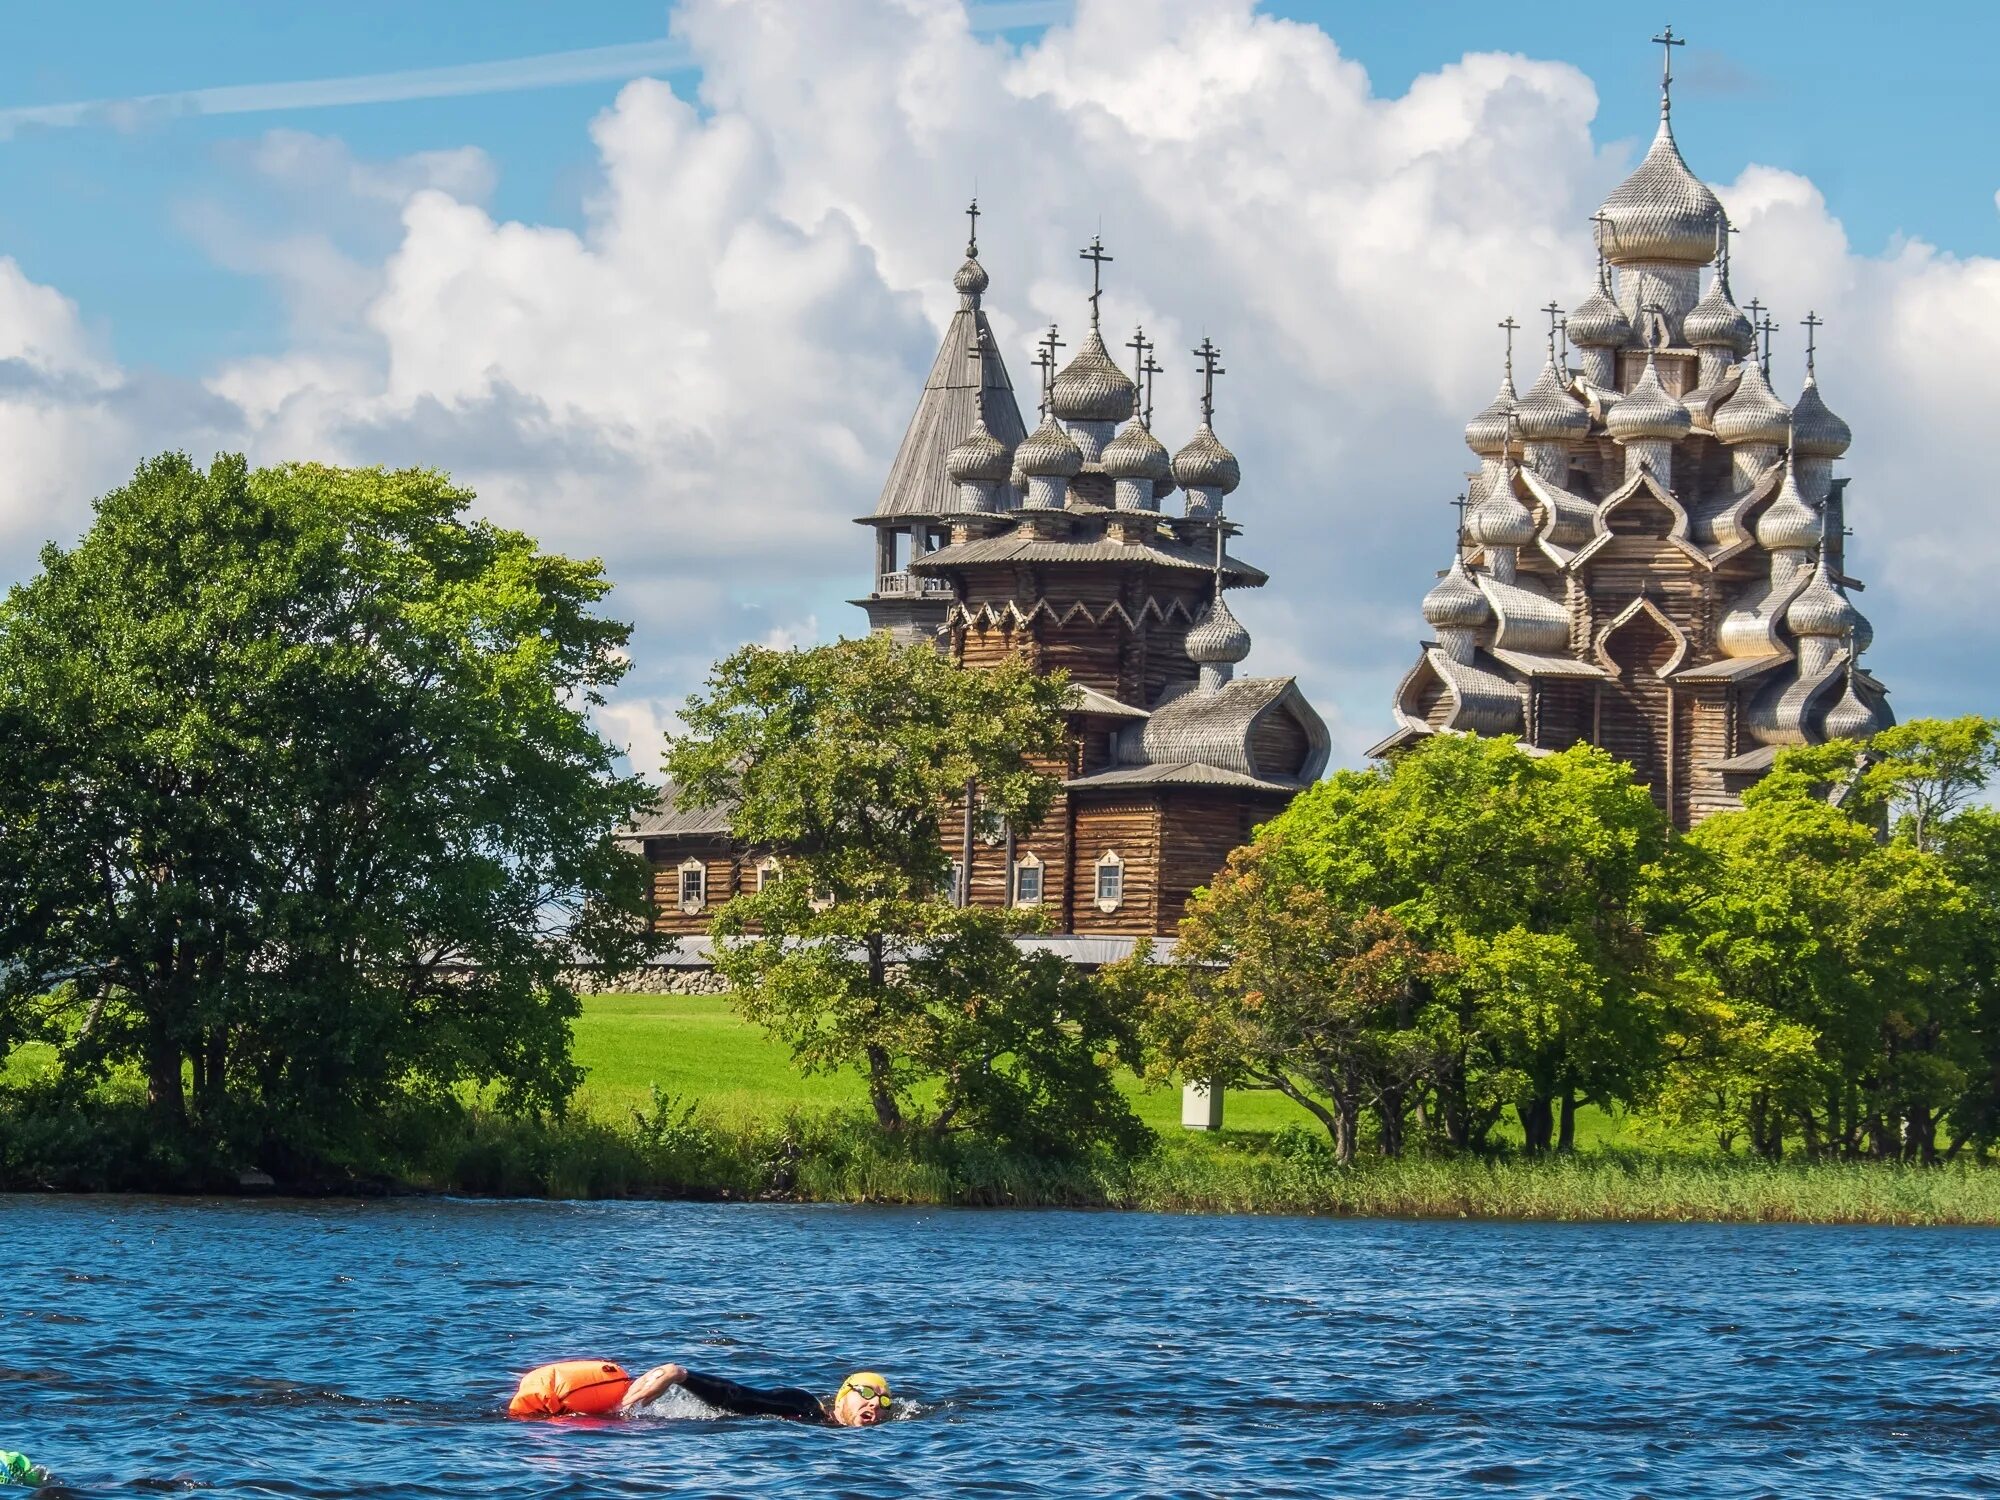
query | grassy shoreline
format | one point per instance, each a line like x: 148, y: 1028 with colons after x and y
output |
x: 684, y: 1100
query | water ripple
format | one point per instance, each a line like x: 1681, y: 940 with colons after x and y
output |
x: 347, y: 1349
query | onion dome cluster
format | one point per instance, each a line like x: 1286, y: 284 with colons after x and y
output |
x: 1647, y: 411
x: 1662, y: 212
x: 1091, y: 387
x: 1754, y: 414
x: 1455, y: 602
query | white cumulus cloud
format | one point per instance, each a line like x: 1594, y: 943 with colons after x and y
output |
x: 705, y: 382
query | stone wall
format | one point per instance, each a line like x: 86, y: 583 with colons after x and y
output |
x: 653, y: 979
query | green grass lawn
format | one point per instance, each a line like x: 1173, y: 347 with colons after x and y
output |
x: 697, y: 1048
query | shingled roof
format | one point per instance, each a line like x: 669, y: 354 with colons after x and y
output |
x: 918, y: 484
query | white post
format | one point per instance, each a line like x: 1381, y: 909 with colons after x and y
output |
x: 1201, y: 1107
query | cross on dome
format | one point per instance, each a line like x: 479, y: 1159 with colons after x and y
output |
x: 1045, y: 361
x: 1208, y: 354
x: 1812, y: 322
x: 1094, y: 253
x: 1667, y: 42
x: 972, y: 229
x: 1509, y: 325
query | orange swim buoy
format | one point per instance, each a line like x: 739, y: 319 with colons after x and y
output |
x: 575, y: 1387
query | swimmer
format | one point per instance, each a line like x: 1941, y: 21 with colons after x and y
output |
x: 17, y: 1468
x: 862, y: 1400
x: 602, y: 1389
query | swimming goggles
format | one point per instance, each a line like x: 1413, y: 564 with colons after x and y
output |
x: 874, y: 1392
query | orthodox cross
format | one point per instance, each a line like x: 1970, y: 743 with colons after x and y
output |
x: 1563, y: 328
x: 1667, y: 42
x: 1142, y: 367
x: 1138, y: 344
x: 1555, y: 314
x: 1151, y: 368
x: 1208, y: 354
x: 972, y: 230
x: 1509, y: 325
x: 1458, y: 534
x: 1046, y: 363
x: 1764, y: 326
x: 1096, y: 256
x: 1811, y: 322
x: 1604, y: 230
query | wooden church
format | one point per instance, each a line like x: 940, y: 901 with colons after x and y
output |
x: 1058, y: 544
x: 1650, y: 555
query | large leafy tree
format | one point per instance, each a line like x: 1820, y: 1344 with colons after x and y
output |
x: 1837, y: 967
x: 850, y: 761
x: 1273, y: 986
x: 1524, y: 873
x: 299, y: 799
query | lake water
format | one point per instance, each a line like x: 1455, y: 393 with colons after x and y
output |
x: 342, y: 1349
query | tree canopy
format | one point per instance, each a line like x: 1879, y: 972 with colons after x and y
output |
x: 852, y: 763
x: 300, y: 800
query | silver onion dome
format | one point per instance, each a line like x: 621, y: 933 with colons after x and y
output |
x: 1647, y: 411
x: 1501, y: 520
x: 1821, y: 608
x: 1816, y: 431
x: 1599, y: 323
x: 1662, y: 212
x: 1486, y: 433
x: 1850, y: 718
x: 1218, y: 636
x: 1091, y: 387
x: 1203, y: 463
x: 1049, y: 453
x: 971, y: 279
x: 1754, y: 414
x: 1717, y: 320
x: 980, y: 459
x: 1455, y: 603
x: 1789, y: 524
x: 1549, y: 413
x: 1136, y: 454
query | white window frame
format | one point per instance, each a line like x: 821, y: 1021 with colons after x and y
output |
x: 1022, y: 865
x: 1112, y: 862
x: 696, y: 868
x: 767, y: 872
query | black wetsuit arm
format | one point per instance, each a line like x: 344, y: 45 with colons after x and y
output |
x: 746, y: 1401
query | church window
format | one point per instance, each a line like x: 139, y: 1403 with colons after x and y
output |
x: 767, y: 873
x: 1028, y: 881
x: 1110, y: 882
x: 694, y: 886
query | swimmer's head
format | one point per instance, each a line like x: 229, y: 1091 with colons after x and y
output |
x: 862, y: 1400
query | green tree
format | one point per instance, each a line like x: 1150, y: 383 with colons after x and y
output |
x: 1274, y: 987
x: 849, y: 761
x: 1525, y: 873
x: 1914, y: 777
x: 1798, y: 920
x: 299, y: 798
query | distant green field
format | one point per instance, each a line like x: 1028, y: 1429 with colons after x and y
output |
x: 699, y: 1050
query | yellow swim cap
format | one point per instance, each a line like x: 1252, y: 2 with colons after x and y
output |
x: 865, y: 1380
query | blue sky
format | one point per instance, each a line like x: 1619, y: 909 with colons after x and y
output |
x: 507, y: 254
x: 1890, y: 118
